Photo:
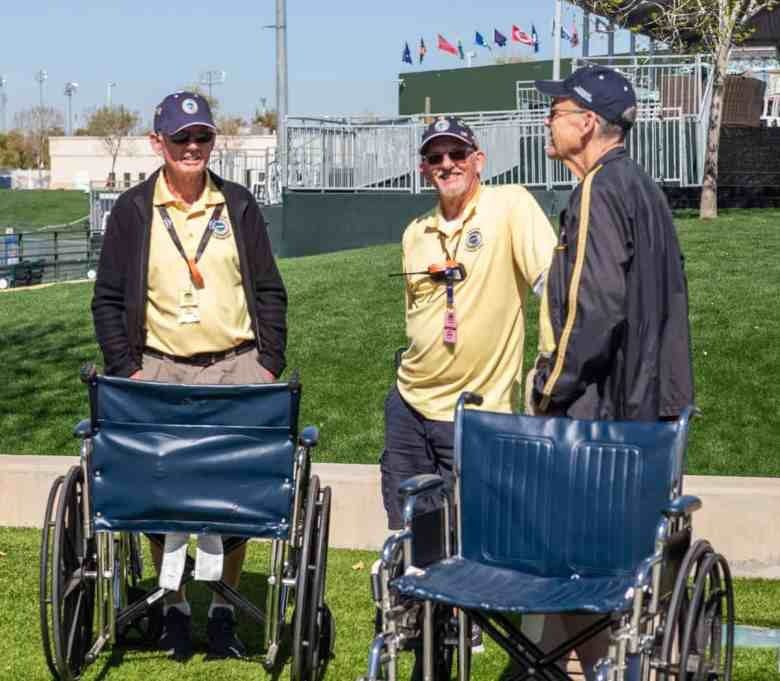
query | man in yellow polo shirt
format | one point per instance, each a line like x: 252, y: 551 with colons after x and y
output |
x: 470, y: 262
x: 465, y: 332
x: 188, y: 292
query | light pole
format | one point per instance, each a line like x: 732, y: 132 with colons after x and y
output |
x: 70, y: 90
x: 3, y: 102
x: 111, y: 84
x: 557, y: 41
x: 281, y: 86
x: 40, y: 78
x: 211, y: 78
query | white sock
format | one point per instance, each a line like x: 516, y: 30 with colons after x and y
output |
x: 182, y: 606
x: 227, y: 606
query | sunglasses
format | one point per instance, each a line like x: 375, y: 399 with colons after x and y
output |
x: 455, y: 155
x: 186, y: 137
x: 555, y: 113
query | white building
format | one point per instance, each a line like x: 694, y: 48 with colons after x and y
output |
x: 78, y: 162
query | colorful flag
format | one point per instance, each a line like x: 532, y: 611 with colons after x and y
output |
x: 574, y: 39
x: 407, y: 56
x: 535, y: 38
x: 479, y: 40
x: 601, y: 26
x: 521, y: 36
x: 460, y: 50
x: 421, y: 52
x: 499, y: 38
x: 565, y: 34
x: 445, y: 46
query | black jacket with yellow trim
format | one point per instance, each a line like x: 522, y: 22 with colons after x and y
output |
x: 620, y: 314
x: 119, y: 302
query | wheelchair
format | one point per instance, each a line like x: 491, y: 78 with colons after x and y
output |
x: 159, y: 458
x: 555, y: 515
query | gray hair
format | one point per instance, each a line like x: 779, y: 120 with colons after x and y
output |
x: 620, y: 128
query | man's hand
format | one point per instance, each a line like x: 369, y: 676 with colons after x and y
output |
x: 136, y: 376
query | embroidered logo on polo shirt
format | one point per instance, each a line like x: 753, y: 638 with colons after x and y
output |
x: 473, y: 240
x: 221, y: 229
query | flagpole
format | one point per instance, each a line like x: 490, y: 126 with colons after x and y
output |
x: 557, y: 41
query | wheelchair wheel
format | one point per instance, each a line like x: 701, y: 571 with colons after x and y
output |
x: 45, y: 579
x: 73, y: 591
x: 313, y: 630
x: 702, y: 653
x: 303, y: 613
x: 680, y: 659
x: 321, y: 631
x: 144, y: 630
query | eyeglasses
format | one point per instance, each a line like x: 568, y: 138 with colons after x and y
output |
x: 455, y: 155
x: 186, y: 137
x: 554, y: 113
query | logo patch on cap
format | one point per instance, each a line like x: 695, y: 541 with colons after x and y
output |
x: 442, y: 125
x: 189, y: 106
x: 582, y: 92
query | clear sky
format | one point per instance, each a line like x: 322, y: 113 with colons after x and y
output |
x: 344, y: 56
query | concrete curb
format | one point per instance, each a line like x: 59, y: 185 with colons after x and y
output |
x: 736, y: 518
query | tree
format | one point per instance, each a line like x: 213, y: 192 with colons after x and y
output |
x: 36, y: 125
x: 17, y: 150
x: 265, y: 119
x: 113, y: 124
x: 715, y: 26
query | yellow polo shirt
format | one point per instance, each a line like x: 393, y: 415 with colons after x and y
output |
x: 224, y: 316
x: 505, y: 242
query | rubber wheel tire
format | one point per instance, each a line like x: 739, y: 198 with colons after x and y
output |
x: 45, y: 578
x: 73, y: 593
x: 321, y: 640
x: 300, y: 670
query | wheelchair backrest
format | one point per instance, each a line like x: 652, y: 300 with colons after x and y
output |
x: 563, y: 498
x: 192, y: 458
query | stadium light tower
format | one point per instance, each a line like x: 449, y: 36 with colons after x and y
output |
x: 3, y: 103
x: 111, y: 85
x: 40, y: 78
x: 70, y: 90
x: 211, y: 78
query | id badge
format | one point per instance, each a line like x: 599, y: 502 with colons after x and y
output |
x: 450, y: 328
x: 189, y: 312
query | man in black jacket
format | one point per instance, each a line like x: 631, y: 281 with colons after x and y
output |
x: 614, y: 331
x: 188, y: 292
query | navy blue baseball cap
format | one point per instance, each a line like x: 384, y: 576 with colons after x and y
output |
x: 448, y: 126
x: 597, y: 88
x: 181, y: 110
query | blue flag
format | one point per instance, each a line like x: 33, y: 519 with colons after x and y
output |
x: 499, y: 38
x: 535, y: 37
x: 407, y: 56
x: 479, y: 40
x: 460, y: 50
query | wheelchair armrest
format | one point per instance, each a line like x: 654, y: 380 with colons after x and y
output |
x: 83, y: 429
x: 426, y: 482
x: 682, y: 505
x: 309, y: 437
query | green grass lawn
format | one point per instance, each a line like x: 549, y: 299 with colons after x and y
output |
x: 33, y: 208
x: 346, y: 320
x: 347, y: 594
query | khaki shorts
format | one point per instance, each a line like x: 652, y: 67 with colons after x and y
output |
x: 242, y: 369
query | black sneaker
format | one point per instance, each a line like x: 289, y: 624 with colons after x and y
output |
x: 176, y: 639
x: 477, y: 646
x: 221, y: 632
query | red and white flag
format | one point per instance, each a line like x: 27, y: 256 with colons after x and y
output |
x: 445, y: 46
x: 521, y: 36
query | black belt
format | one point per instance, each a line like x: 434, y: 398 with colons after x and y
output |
x: 203, y: 359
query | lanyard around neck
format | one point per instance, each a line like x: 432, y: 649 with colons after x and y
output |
x: 192, y: 263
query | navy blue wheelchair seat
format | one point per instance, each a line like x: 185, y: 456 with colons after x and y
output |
x: 199, y: 459
x: 554, y: 514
